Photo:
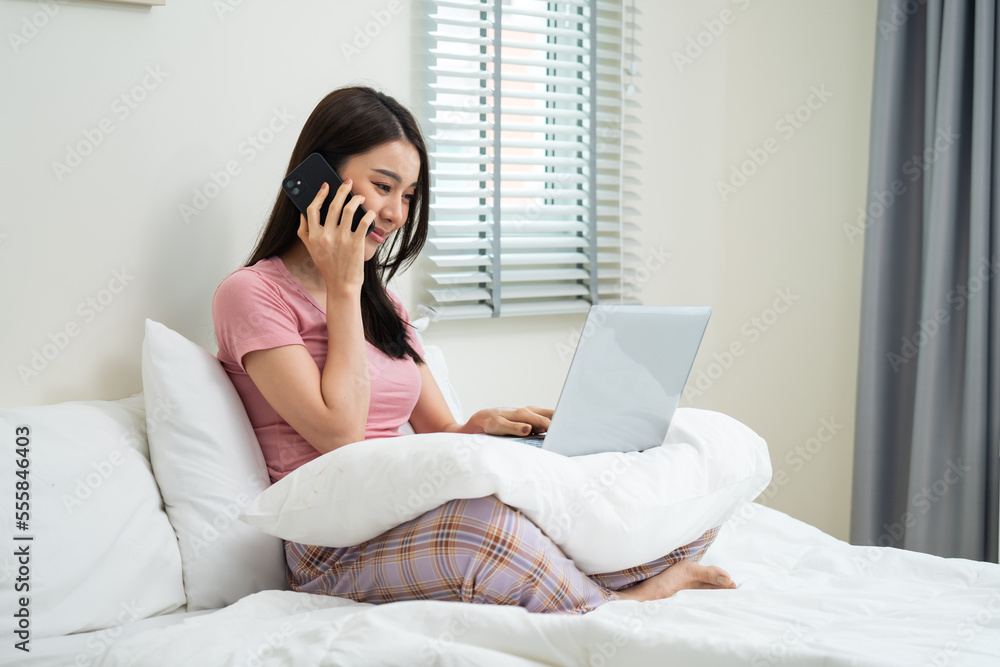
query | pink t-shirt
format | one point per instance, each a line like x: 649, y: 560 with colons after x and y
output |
x: 263, y: 306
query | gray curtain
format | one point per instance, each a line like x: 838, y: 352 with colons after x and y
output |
x: 928, y: 402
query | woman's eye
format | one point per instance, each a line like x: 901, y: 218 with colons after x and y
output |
x: 408, y: 198
x: 383, y: 187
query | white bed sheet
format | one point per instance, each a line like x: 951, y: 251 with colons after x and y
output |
x: 805, y: 598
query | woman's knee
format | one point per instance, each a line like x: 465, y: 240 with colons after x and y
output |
x: 469, y: 512
x: 478, y: 528
x: 484, y: 506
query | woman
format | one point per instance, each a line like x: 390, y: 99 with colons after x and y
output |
x: 322, y: 355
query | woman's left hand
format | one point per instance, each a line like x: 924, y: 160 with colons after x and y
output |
x: 509, y: 421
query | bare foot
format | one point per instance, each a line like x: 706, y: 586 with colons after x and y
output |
x: 677, y: 577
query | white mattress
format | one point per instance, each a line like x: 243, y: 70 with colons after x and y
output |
x: 805, y: 598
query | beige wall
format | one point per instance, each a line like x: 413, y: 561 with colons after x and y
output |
x: 62, y: 240
x: 778, y: 231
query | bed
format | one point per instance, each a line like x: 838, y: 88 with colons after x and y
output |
x: 804, y: 598
x: 140, y: 590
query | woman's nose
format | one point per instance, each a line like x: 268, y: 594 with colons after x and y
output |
x: 392, y: 211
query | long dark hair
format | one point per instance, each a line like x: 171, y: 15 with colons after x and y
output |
x: 348, y: 122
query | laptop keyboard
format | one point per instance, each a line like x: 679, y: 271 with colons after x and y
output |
x: 533, y: 440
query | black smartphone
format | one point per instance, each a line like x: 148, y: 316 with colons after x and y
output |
x: 303, y: 182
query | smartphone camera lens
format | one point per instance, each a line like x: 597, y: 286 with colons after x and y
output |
x: 289, y: 183
x: 295, y: 191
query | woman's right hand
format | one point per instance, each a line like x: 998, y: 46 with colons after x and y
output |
x: 339, y: 253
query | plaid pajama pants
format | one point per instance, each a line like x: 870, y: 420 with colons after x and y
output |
x: 473, y: 550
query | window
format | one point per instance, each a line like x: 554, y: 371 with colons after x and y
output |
x: 525, y: 108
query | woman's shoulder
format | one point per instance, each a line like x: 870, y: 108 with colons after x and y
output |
x: 262, y: 278
x: 264, y: 270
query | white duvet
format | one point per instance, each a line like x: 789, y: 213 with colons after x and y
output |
x: 805, y: 598
x: 606, y: 511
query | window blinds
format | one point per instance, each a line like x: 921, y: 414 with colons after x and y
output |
x: 525, y: 111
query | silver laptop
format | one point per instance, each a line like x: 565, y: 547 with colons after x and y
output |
x: 625, y: 379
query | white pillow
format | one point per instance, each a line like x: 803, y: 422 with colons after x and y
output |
x: 103, y: 552
x: 209, y: 465
x: 607, y: 511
